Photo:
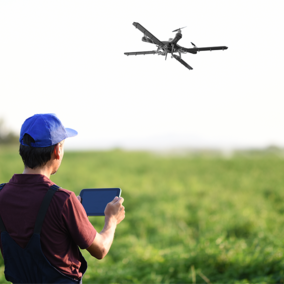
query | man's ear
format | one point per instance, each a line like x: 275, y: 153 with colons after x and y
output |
x: 56, y: 151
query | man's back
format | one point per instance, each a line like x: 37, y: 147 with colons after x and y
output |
x: 65, y: 226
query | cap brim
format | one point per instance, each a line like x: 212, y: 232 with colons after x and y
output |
x: 71, y: 132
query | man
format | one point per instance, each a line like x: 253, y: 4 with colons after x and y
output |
x: 41, y: 224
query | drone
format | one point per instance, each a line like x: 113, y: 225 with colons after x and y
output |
x: 170, y: 46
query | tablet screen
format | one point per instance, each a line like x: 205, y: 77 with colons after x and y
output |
x: 95, y: 200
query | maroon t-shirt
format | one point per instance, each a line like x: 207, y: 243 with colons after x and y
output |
x: 65, y: 227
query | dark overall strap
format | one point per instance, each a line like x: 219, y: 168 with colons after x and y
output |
x: 2, y: 226
x: 2, y: 185
x: 43, y: 208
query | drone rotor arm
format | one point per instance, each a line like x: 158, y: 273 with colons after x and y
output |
x: 209, y: 48
x: 186, y: 50
x: 182, y: 62
x: 141, y: 52
x: 148, y: 34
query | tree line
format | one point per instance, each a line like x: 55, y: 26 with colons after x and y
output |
x: 6, y: 135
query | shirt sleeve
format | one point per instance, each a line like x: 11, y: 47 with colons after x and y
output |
x: 75, y: 217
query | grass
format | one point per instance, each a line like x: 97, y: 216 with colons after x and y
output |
x: 189, y: 219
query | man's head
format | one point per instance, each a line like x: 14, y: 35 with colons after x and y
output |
x: 41, y: 140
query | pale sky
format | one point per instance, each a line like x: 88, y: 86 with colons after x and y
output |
x: 67, y: 57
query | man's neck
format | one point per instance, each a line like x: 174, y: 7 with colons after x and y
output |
x: 37, y: 171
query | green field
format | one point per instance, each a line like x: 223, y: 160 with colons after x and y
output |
x: 189, y: 219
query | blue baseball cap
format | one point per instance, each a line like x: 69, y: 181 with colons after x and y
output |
x: 46, y: 130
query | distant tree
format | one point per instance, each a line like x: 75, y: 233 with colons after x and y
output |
x: 7, y: 136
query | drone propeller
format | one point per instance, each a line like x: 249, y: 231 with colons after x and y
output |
x: 178, y: 29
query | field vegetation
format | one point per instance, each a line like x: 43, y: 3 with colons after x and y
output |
x: 191, y: 218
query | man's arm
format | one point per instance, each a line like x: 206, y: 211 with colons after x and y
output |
x: 114, y: 214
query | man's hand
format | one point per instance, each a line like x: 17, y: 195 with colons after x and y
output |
x: 115, y: 210
x: 114, y: 214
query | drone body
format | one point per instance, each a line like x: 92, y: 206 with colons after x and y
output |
x: 170, y: 46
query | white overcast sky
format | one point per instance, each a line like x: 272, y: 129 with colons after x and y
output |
x: 67, y: 57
